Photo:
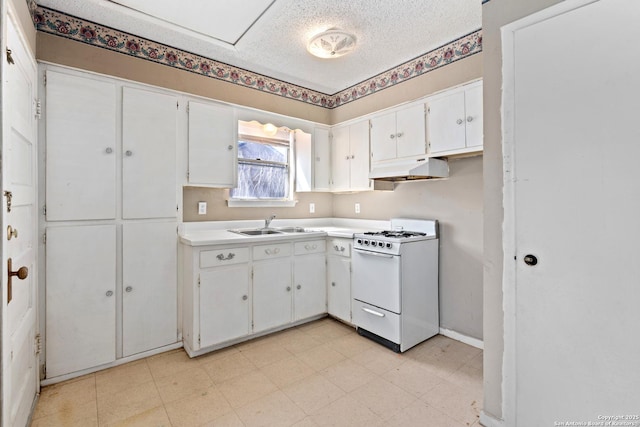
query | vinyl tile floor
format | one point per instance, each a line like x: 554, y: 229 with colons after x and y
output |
x: 318, y: 374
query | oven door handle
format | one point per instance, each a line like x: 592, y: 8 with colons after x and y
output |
x: 375, y: 313
x: 363, y: 252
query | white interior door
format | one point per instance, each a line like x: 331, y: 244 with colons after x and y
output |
x: 19, y: 296
x: 573, y: 199
x: 149, y: 280
x: 81, y: 148
x: 149, y: 131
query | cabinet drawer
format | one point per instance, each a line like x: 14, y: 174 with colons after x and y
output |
x: 376, y: 320
x: 275, y: 250
x: 221, y: 257
x: 340, y: 247
x: 310, y: 247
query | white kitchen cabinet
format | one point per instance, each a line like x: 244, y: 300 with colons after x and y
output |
x: 339, y: 279
x: 81, y: 298
x: 224, y: 304
x: 272, y: 292
x: 399, y: 134
x: 81, y: 147
x: 309, y: 279
x: 149, y: 131
x: 149, y: 299
x: 313, y: 160
x: 213, y: 147
x: 455, y: 121
x: 350, y: 157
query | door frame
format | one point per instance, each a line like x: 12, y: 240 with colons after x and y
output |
x: 509, y: 243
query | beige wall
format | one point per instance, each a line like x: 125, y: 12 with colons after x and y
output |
x: 495, y: 14
x: 457, y: 203
x: 442, y: 78
x: 71, y: 53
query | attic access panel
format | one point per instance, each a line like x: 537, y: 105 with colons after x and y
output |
x: 220, y: 19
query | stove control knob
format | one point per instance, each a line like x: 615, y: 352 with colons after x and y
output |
x: 381, y: 244
x: 359, y: 241
x: 388, y: 245
x: 365, y: 242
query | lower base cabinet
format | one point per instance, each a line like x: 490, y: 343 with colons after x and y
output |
x: 339, y: 279
x: 84, y: 293
x: 234, y: 292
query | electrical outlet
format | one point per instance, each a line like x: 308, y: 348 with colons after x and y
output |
x: 312, y: 207
x: 202, y: 208
x: 357, y: 207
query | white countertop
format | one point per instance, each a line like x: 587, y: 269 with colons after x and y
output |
x: 216, y: 232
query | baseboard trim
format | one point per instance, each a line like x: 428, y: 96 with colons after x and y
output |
x: 474, y: 342
x: 489, y: 421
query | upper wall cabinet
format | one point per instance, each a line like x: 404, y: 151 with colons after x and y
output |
x: 455, y: 121
x: 81, y: 148
x: 149, y: 154
x: 213, y: 158
x: 83, y: 151
x: 350, y: 157
x: 398, y: 134
x: 313, y: 161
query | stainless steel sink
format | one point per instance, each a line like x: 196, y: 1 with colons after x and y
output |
x: 256, y: 231
x: 293, y: 230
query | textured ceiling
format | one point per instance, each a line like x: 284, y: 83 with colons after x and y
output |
x: 269, y: 37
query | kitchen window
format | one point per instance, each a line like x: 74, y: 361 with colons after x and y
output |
x: 264, y: 166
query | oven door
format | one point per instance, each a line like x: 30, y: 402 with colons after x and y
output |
x: 376, y: 279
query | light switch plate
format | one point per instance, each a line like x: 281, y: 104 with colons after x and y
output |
x: 357, y: 207
x: 202, y: 208
x: 312, y: 207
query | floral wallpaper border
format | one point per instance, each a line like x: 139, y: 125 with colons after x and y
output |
x: 67, y: 26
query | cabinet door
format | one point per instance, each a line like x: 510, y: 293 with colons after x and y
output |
x: 224, y: 304
x: 340, y: 159
x: 473, y: 109
x: 271, y: 294
x: 446, y: 125
x: 304, y: 161
x: 213, y: 155
x: 410, y: 131
x: 149, y: 154
x: 149, y: 281
x: 310, y: 283
x: 80, y: 297
x: 322, y: 160
x: 339, y: 290
x: 81, y: 148
x: 360, y: 167
x: 383, y: 137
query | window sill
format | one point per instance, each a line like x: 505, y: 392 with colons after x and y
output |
x: 234, y: 203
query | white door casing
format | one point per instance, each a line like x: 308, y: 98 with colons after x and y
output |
x: 19, y: 147
x: 572, y: 200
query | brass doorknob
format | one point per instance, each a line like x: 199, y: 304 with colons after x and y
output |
x: 22, y: 273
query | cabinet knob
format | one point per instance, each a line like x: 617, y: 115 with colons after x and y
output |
x: 244, y: 297
x: 109, y: 293
x: 333, y: 284
x: 299, y: 287
x: 288, y: 288
x: 353, y: 156
x: 399, y: 134
x: 128, y: 289
x: 469, y: 119
x: 459, y: 121
x: 128, y: 153
x: 392, y: 136
x: 230, y: 147
x: 11, y: 232
x: 108, y: 150
x: 347, y: 158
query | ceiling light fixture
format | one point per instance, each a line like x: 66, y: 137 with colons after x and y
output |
x: 331, y: 44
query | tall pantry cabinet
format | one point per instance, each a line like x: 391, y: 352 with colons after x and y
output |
x: 110, y: 221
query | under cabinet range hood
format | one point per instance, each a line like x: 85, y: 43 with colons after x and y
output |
x: 409, y: 170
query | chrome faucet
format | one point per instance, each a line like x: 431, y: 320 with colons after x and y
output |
x: 267, y: 221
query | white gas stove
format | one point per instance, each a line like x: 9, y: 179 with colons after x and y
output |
x: 395, y: 283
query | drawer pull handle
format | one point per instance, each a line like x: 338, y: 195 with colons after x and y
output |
x: 221, y: 257
x: 272, y: 251
x: 311, y: 247
x: 375, y: 313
